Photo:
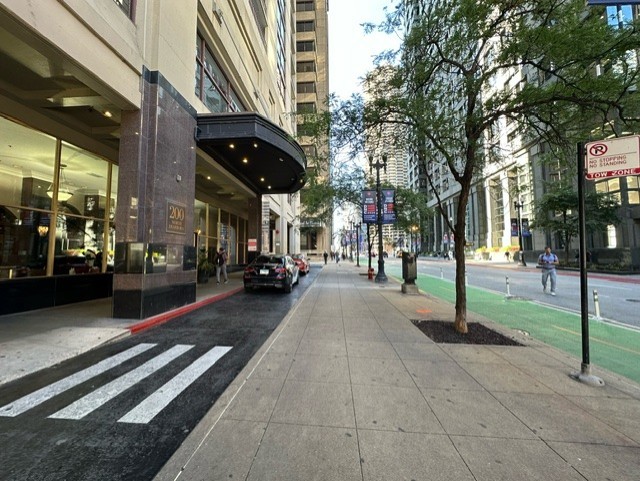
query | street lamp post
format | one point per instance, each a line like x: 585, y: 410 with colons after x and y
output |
x: 358, y: 227
x: 351, y: 240
x: 381, y: 277
x: 519, y: 205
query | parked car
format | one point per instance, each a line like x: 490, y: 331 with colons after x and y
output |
x: 304, y: 265
x: 271, y: 270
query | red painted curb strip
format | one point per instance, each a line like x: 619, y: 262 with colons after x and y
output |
x: 167, y: 316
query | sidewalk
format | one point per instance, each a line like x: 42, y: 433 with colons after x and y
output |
x: 347, y: 388
x: 34, y: 340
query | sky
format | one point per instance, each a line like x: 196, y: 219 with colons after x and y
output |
x: 351, y: 50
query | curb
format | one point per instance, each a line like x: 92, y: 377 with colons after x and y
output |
x: 167, y: 316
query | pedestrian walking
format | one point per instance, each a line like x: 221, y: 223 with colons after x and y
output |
x: 221, y: 265
x: 506, y: 255
x: 337, y: 257
x: 326, y: 256
x: 548, y: 261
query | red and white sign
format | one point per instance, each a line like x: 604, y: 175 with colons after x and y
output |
x: 613, y: 157
x: 252, y: 245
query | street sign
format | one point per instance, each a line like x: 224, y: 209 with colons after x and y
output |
x: 613, y: 157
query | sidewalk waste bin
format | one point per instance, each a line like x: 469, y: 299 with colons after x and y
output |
x: 409, y: 267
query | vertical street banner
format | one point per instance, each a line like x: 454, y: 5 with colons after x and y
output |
x: 369, y: 207
x: 388, y: 206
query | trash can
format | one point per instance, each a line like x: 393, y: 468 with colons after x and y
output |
x: 409, y: 267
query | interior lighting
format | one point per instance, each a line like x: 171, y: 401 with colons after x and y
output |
x: 64, y: 194
x: 245, y: 160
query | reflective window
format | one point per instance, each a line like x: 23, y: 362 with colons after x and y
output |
x: 43, y: 211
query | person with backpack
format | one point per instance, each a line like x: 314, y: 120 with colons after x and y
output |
x: 221, y: 265
x: 548, y: 261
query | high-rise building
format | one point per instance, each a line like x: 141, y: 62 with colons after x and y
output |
x: 312, y: 85
x: 135, y: 135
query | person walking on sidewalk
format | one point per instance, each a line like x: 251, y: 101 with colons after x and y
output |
x: 325, y: 255
x: 221, y: 265
x: 548, y: 261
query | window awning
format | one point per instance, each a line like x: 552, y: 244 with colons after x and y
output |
x: 256, y: 151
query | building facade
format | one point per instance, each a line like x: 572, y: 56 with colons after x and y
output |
x: 513, y: 178
x: 134, y: 135
x: 312, y: 86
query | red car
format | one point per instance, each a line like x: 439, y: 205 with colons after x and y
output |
x: 303, y: 263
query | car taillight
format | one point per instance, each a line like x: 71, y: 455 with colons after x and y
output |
x: 249, y: 270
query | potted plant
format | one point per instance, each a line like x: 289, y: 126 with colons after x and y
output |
x: 205, y: 268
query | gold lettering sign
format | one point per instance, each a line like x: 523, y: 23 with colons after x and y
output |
x: 176, y: 214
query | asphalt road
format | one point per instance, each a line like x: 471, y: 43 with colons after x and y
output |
x: 619, y: 299
x: 120, y: 411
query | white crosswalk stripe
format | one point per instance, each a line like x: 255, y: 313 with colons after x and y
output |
x: 41, y: 395
x: 152, y: 405
x: 97, y: 398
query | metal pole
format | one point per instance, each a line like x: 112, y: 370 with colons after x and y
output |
x: 508, y: 289
x: 585, y: 369
x: 358, y: 225
x: 381, y: 277
x: 518, y: 205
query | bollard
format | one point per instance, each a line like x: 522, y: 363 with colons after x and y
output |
x: 508, y: 290
x: 441, y: 274
x: 596, y: 303
x: 466, y: 280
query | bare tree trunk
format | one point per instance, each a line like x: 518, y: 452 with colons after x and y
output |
x: 460, y: 324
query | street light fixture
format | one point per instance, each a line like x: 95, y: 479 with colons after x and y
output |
x: 519, y: 205
x: 358, y: 227
x: 381, y: 277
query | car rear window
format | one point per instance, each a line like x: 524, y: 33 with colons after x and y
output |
x: 269, y: 260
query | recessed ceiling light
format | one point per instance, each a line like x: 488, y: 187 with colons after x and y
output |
x: 208, y: 177
x: 269, y: 187
x: 245, y: 160
x: 261, y: 179
x: 255, y: 145
x: 232, y: 146
x: 107, y: 114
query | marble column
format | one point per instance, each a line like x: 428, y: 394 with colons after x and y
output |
x: 155, y: 258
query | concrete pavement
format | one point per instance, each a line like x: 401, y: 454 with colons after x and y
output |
x: 347, y: 388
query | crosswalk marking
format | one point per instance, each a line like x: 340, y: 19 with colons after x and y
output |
x: 156, y: 402
x: 97, y: 398
x: 41, y: 395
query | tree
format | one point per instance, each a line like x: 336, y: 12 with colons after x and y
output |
x: 558, y: 62
x: 557, y: 211
x: 411, y: 209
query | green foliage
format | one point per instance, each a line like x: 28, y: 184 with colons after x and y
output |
x: 443, y: 88
x: 557, y: 211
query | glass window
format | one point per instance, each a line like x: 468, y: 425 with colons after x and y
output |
x: 306, y: 87
x: 309, y: 66
x: 305, y: 26
x: 125, y: 6
x: 632, y: 183
x: 29, y: 222
x: 212, y: 97
x: 634, y: 197
x: 306, y: 107
x: 305, y: 6
x: 305, y: 46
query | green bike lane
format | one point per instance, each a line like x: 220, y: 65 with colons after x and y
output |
x: 612, y: 347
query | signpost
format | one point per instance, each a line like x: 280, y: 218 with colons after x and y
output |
x: 602, y: 159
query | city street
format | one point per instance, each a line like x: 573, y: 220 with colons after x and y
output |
x: 619, y: 296
x: 120, y: 411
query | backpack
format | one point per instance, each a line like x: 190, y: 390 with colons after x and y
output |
x: 219, y: 259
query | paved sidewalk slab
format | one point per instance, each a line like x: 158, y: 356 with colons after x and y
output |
x: 347, y: 388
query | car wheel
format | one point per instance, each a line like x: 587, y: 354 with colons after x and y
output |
x: 288, y: 285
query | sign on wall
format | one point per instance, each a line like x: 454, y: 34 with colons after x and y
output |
x: 176, y: 216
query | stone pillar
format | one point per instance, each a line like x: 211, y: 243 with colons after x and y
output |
x: 254, y: 229
x: 155, y: 258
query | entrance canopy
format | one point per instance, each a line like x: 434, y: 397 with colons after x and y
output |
x: 262, y: 155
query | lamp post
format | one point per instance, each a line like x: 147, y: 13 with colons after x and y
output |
x: 519, y: 205
x: 351, y: 240
x: 358, y: 226
x: 381, y: 277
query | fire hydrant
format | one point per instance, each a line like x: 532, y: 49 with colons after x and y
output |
x: 370, y: 273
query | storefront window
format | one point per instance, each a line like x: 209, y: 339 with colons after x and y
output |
x: 40, y: 237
